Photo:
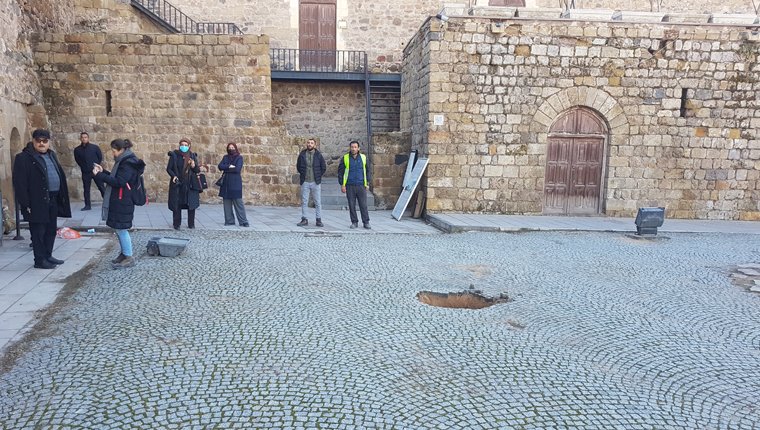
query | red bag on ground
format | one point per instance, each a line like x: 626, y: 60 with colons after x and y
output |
x: 67, y: 233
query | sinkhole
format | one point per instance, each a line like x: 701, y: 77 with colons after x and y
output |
x: 463, y: 300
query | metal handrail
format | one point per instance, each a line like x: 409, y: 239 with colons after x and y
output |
x: 313, y: 60
x: 180, y: 22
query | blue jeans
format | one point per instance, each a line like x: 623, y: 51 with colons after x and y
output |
x: 316, y: 193
x: 125, y: 242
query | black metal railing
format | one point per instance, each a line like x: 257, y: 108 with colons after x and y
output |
x: 311, y: 60
x: 178, y: 21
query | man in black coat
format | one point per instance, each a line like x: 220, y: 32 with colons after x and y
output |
x: 311, y: 166
x: 42, y: 194
x: 87, y: 155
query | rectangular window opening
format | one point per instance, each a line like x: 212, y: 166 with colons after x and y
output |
x: 108, y: 103
x: 684, y: 101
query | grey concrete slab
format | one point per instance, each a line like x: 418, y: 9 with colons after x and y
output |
x: 455, y: 222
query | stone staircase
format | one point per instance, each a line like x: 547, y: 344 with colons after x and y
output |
x: 173, y: 20
x: 332, y: 198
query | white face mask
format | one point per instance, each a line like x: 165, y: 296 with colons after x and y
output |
x: 184, y: 148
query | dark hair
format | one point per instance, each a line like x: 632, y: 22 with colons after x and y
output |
x: 352, y: 142
x: 84, y: 133
x: 121, y: 144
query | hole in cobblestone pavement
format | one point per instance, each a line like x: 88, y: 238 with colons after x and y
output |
x: 646, y: 239
x: 746, y: 276
x: 463, y: 300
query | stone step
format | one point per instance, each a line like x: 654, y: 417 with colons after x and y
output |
x: 333, y: 198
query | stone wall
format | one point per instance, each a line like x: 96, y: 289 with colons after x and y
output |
x: 380, y: 28
x: 19, y: 86
x: 211, y: 89
x: 390, y: 154
x: 415, y: 85
x: 332, y: 113
x: 681, y: 6
x: 111, y: 16
x: 384, y: 28
x: 679, y: 102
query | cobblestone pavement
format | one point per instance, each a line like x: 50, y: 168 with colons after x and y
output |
x: 280, y: 330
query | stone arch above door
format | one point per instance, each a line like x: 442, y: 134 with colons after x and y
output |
x: 593, y: 98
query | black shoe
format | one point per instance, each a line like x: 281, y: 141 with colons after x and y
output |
x: 319, y: 222
x: 191, y: 226
x: 54, y: 260
x: 44, y: 265
x: 86, y: 208
x: 229, y: 223
x: 366, y: 225
x: 244, y: 225
x: 354, y: 225
x: 119, y: 259
x: 176, y: 227
x: 304, y: 222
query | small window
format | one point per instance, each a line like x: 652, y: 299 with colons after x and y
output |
x: 108, y: 103
x: 512, y: 3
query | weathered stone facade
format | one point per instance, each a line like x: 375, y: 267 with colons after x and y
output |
x: 19, y: 85
x: 111, y: 16
x: 383, y: 28
x: 390, y: 154
x: 679, y: 104
x: 211, y: 89
x: 332, y: 113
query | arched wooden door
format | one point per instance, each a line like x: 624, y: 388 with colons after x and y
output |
x: 574, y: 163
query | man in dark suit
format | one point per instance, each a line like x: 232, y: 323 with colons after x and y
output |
x: 42, y: 194
x: 86, y: 155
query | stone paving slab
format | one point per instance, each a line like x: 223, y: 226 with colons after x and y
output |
x: 254, y: 329
x: 156, y: 216
x: 25, y: 290
x: 456, y: 223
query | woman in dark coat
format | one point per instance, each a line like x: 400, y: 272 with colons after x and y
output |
x: 231, y: 190
x: 118, y: 205
x: 184, y: 191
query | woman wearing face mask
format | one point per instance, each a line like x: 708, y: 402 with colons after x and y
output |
x: 231, y: 190
x: 118, y: 205
x: 183, y: 169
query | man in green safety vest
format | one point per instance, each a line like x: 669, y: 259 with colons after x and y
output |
x: 354, y: 177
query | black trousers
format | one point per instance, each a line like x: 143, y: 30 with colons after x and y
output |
x: 43, y: 233
x: 356, y: 193
x: 87, y: 181
x: 177, y: 218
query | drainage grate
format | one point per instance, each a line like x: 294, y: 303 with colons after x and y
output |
x: 463, y: 300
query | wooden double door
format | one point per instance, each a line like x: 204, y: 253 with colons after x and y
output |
x: 575, y: 164
x: 316, y: 35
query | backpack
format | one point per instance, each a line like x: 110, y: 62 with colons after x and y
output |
x: 139, y: 196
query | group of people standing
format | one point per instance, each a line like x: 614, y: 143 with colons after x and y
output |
x: 42, y: 195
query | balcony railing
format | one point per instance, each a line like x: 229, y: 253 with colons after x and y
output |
x: 310, y: 60
x: 178, y: 21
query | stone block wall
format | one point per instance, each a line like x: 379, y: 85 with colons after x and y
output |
x: 685, y: 6
x: 155, y: 89
x: 332, y: 113
x: 380, y: 28
x: 19, y: 85
x: 680, y: 104
x: 415, y: 85
x: 111, y: 16
x: 390, y: 154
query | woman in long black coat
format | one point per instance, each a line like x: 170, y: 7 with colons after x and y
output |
x: 184, y: 191
x: 118, y: 204
x: 231, y: 190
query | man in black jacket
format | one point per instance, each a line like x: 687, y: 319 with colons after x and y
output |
x: 87, y: 155
x: 42, y: 194
x: 311, y: 166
